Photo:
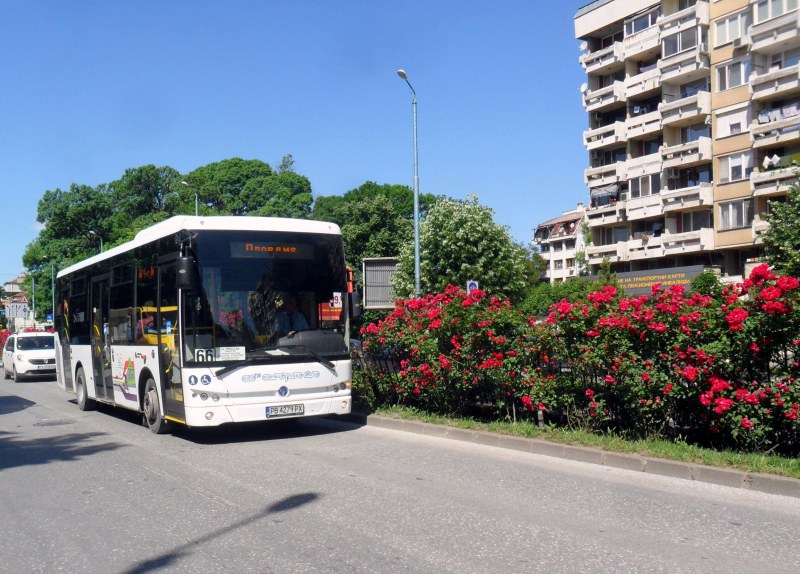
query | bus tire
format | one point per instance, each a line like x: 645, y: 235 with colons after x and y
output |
x: 151, y: 409
x: 84, y: 402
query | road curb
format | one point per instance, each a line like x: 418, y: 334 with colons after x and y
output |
x: 766, y: 483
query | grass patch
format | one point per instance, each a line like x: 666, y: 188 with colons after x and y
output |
x: 682, y: 452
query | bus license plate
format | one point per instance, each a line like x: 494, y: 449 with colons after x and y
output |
x: 284, y: 411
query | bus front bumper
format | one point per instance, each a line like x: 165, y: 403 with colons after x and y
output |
x: 216, y: 414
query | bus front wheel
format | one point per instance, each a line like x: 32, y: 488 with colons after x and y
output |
x: 151, y: 409
x: 84, y: 402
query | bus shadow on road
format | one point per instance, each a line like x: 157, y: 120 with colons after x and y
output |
x: 283, y: 429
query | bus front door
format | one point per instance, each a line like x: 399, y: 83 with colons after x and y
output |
x: 101, y: 350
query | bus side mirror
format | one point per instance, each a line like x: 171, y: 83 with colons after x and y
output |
x: 354, y: 300
x: 186, y: 271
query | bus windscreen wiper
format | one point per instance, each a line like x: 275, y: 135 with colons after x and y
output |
x: 262, y: 358
x: 319, y: 358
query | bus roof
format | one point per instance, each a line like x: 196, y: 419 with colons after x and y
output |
x: 203, y: 223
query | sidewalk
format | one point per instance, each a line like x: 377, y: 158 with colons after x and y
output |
x: 765, y: 483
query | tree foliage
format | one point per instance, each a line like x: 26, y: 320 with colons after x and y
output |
x: 146, y: 195
x: 459, y: 241
x: 782, y: 238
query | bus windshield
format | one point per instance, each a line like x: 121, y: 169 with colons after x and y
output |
x: 267, y: 294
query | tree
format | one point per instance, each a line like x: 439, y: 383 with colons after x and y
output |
x: 220, y: 185
x: 459, y: 241
x: 782, y: 238
x: 375, y: 229
x: 329, y: 208
x: 144, y: 196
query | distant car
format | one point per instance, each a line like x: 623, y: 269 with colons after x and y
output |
x: 28, y: 355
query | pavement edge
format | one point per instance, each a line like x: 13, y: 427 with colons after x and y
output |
x: 766, y: 483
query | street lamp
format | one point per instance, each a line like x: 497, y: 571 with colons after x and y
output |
x: 195, y: 197
x: 95, y: 234
x: 417, y: 291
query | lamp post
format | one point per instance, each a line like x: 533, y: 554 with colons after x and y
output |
x: 417, y: 290
x: 195, y: 197
x: 95, y: 234
x: 53, y: 291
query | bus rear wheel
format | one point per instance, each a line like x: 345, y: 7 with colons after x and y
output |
x: 151, y: 409
x: 84, y: 402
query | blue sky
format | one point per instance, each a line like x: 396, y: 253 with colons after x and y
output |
x: 92, y: 88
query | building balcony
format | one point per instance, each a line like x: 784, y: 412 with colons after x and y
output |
x: 671, y: 244
x: 605, y: 136
x: 688, y: 241
x: 643, y: 42
x: 643, y: 124
x: 687, y: 154
x: 685, y: 111
x: 643, y: 207
x: 777, y: 132
x: 699, y: 14
x: 684, y: 63
x: 759, y: 226
x: 687, y: 197
x: 765, y: 35
x: 773, y: 181
x: 561, y: 274
x: 604, y: 174
x: 596, y: 99
x: 643, y: 83
x: 601, y: 60
x: 774, y: 83
x: 605, y: 215
x: 596, y: 253
x: 643, y: 165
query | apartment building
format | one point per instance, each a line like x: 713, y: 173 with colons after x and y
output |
x: 561, y: 244
x: 693, y: 128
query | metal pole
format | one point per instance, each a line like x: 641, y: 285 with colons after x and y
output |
x: 53, y: 290
x: 417, y: 288
x: 33, y: 298
x: 195, y: 203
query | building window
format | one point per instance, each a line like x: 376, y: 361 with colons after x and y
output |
x: 730, y: 28
x: 735, y: 167
x: 736, y: 214
x: 680, y: 42
x: 785, y: 59
x: 733, y: 74
x: 646, y: 185
x: 768, y: 9
x: 692, y: 88
x: 642, y: 21
x: 695, y: 132
x: 733, y: 122
x: 559, y: 264
x: 694, y: 221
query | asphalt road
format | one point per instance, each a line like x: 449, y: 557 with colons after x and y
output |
x: 97, y: 492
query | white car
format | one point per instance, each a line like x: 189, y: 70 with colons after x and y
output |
x: 29, y: 354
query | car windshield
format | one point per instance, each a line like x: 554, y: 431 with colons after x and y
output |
x: 264, y: 291
x: 35, y: 343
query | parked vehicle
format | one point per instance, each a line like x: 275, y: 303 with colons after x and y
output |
x: 28, y: 355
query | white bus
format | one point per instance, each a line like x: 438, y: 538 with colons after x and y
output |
x: 202, y: 321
